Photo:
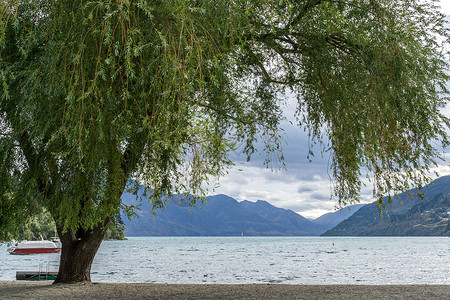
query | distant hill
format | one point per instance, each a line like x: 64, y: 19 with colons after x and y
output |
x: 291, y: 222
x: 220, y: 216
x: 415, y: 217
x: 331, y: 219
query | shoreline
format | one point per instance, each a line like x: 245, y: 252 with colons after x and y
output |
x: 45, y: 290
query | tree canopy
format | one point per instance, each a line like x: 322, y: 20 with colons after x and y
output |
x: 94, y: 93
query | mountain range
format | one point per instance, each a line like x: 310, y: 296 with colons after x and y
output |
x: 331, y: 219
x: 219, y: 216
x: 222, y: 215
x: 409, y: 215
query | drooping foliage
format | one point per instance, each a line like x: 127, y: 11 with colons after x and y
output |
x: 39, y: 226
x: 94, y: 93
x: 370, y: 76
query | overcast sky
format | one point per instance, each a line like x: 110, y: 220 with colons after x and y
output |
x: 305, y: 187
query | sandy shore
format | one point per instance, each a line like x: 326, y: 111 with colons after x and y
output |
x: 45, y: 290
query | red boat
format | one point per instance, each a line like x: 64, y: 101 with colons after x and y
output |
x: 34, y: 247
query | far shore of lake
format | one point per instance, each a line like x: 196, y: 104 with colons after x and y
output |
x: 46, y: 290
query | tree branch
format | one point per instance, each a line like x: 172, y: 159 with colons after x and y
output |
x: 132, y: 154
x: 223, y: 113
x: 309, y: 6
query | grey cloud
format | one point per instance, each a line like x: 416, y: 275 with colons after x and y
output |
x: 304, y: 189
x: 320, y: 196
x: 305, y: 206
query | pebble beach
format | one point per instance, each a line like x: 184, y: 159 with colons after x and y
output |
x: 46, y: 290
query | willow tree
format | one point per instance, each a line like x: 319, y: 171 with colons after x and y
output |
x: 95, y: 93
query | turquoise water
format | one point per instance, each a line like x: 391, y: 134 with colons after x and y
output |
x: 235, y: 260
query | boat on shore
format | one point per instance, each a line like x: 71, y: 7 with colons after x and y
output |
x: 34, y: 247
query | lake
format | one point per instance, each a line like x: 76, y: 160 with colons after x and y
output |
x: 239, y: 260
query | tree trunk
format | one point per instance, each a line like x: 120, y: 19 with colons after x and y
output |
x: 78, y: 252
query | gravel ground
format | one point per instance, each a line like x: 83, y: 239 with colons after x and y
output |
x: 45, y: 290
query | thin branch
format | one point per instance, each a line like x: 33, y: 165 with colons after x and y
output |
x: 308, y: 7
x: 223, y: 113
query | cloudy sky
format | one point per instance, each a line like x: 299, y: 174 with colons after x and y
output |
x: 305, y: 187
